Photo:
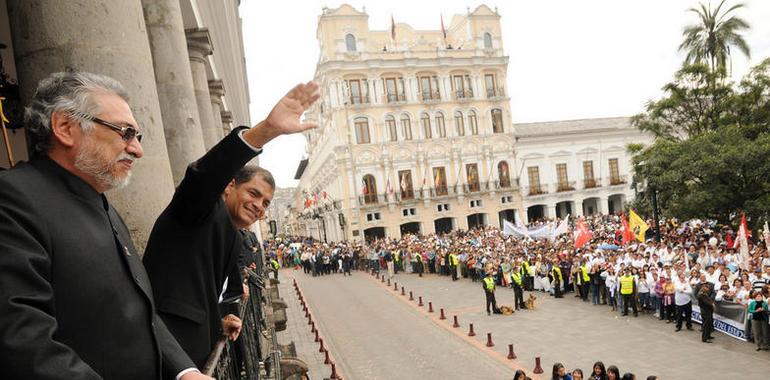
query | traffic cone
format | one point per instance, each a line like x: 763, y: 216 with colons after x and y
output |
x: 511, y: 354
x: 538, y: 368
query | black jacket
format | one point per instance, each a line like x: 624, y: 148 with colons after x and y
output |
x: 194, y: 247
x: 75, y: 301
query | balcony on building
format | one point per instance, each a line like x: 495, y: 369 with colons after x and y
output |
x: 590, y: 183
x: 495, y: 93
x: 360, y: 100
x: 443, y: 191
x: 463, y: 95
x: 617, y: 180
x: 565, y: 186
x: 395, y: 97
x: 371, y: 199
x: 409, y: 195
x: 536, y: 190
x: 430, y: 97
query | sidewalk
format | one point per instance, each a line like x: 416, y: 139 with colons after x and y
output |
x: 298, y: 330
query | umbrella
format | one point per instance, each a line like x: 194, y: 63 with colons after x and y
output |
x: 608, y: 247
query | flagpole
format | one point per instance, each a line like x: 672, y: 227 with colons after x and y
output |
x: 8, y: 149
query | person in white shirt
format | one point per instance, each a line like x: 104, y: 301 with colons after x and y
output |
x: 683, y: 301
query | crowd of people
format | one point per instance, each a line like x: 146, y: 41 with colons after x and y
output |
x: 692, y: 263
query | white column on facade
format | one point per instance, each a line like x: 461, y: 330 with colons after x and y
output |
x: 227, y: 122
x: 199, y: 47
x: 47, y: 39
x: 602, y: 206
x: 551, y: 211
x: 371, y: 83
x: 216, y: 92
x: 578, y: 209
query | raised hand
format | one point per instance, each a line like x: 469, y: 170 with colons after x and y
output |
x: 284, y: 118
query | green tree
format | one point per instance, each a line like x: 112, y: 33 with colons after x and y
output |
x: 709, y: 40
x: 718, y: 167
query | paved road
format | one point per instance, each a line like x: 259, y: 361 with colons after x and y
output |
x: 374, y: 334
x: 378, y: 334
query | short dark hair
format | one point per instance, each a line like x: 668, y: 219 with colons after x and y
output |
x: 247, y: 173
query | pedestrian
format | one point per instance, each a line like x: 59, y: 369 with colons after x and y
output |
x: 628, y: 376
x: 75, y: 300
x: 519, y: 375
x: 628, y: 291
x: 683, y: 302
x: 599, y: 372
x: 557, y: 279
x: 707, y: 305
x: 577, y: 374
x: 560, y: 373
x: 758, y: 313
x: 488, y: 284
x: 518, y: 291
x: 613, y: 373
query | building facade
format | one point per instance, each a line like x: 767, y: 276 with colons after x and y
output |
x: 181, y: 61
x: 415, y: 129
x: 575, y: 167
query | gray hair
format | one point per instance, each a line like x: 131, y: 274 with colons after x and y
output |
x: 71, y: 92
x: 249, y: 171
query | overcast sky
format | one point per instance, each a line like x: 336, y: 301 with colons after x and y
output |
x: 568, y: 59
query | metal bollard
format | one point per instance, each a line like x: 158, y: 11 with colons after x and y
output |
x: 470, y: 331
x: 420, y: 303
x: 511, y: 354
x: 538, y: 368
x: 430, y: 307
x: 442, y: 317
x: 455, y: 325
x: 489, y: 340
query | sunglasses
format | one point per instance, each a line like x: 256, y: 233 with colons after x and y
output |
x: 127, y: 133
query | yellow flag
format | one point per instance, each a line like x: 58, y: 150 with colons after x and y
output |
x: 637, y: 225
x: 437, y: 180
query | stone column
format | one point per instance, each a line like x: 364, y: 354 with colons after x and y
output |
x: 227, y: 122
x: 198, y: 47
x: 217, y: 91
x: 86, y: 35
x: 550, y: 211
x: 179, y: 110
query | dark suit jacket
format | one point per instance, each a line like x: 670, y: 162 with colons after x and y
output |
x: 194, y: 246
x: 75, y: 301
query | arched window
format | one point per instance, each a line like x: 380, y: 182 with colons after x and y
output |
x: 459, y: 123
x: 473, y: 123
x: 502, y: 173
x: 440, y: 126
x: 425, y: 121
x: 497, y: 121
x: 350, y: 42
x: 390, y: 122
x: 487, y: 41
x: 362, y: 130
x: 406, y: 127
x: 370, y: 189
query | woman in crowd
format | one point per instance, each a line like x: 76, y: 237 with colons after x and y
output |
x: 758, y: 315
x: 613, y: 373
x: 669, y: 290
x: 643, y: 290
x: 612, y: 286
x: 559, y: 372
x: 577, y: 374
x: 599, y: 372
x: 519, y: 375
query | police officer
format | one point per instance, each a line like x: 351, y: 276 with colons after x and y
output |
x: 489, y: 291
x: 518, y: 291
x: 628, y: 291
x: 557, y: 279
x: 453, y: 265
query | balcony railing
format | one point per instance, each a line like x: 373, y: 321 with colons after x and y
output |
x: 358, y: 100
x: 536, y: 190
x: 394, y: 98
x: 617, y: 180
x: 409, y: 195
x: 473, y: 187
x: 372, y: 199
x: 497, y: 92
x: 463, y: 95
x: 565, y: 186
x: 591, y: 183
x: 427, y: 97
x: 443, y: 191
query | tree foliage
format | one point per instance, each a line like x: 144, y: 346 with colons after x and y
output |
x: 710, y: 155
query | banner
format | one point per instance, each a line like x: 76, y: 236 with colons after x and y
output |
x: 729, y: 318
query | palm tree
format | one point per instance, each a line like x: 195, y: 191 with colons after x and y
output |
x: 710, y: 39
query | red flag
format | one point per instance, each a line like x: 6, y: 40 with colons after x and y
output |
x: 628, y: 234
x: 583, y: 234
x: 325, y: 194
x: 730, y: 243
x: 364, y: 187
x: 392, y: 28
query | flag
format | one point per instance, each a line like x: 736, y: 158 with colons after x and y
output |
x: 403, y: 182
x: 392, y: 28
x: 389, y: 188
x: 628, y: 234
x: 730, y: 242
x: 766, y: 234
x: 364, y: 183
x: 742, y: 242
x: 561, y: 228
x: 638, y: 225
x: 437, y: 180
x: 325, y: 194
x: 443, y: 30
x: 583, y: 234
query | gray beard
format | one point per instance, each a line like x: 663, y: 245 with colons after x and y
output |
x: 90, y: 161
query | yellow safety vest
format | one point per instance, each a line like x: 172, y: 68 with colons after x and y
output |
x: 490, y: 283
x: 525, y: 268
x: 452, y: 259
x: 275, y: 263
x: 627, y: 285
x: 516, y: 277
x: 557, y: 271
x: 583, y: 270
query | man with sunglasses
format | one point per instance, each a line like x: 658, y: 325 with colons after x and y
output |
x: 75, y: 300
x: 194, y: 246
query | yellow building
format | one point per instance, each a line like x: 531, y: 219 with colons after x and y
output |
x: 415, y: 129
